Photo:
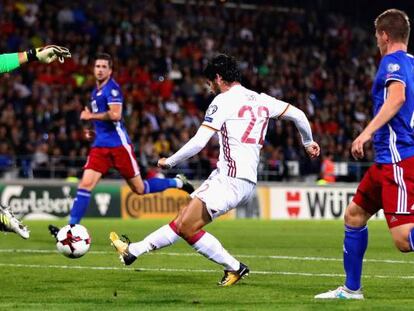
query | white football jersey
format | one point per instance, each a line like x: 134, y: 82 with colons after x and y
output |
x: 241, y: 117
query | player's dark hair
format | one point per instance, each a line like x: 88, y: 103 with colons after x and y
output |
x: 105, y: 56
x: 225, y: 66
x: 394, y: 23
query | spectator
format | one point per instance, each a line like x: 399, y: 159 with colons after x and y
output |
x: 328, y: 168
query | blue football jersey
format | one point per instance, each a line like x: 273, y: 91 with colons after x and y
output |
x: 395, y: 140
x: 108, y: 133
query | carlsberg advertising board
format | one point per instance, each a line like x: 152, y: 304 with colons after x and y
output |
x: 55, y: 201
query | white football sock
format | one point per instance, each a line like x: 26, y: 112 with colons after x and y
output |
x: 211, y: 248
x: 179, y: 183
x: 164, y: 236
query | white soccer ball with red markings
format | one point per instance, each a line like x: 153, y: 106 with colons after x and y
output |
x: 73, y: 241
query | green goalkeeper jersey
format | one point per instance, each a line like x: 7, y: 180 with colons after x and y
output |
x: 9, y: 62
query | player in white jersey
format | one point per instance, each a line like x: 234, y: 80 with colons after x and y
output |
x: 240, y: 117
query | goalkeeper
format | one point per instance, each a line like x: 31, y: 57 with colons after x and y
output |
x: 9, y: 62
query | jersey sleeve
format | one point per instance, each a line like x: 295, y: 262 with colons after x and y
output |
x: 391, y: 69
x: 114, y: 96
x: 9, y: 62
x: 216, y: 114
x: 276, y: 107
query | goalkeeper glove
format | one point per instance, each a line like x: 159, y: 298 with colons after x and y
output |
x: 48, y: 54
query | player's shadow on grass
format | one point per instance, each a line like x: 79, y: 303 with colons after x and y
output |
x: 181, y: 279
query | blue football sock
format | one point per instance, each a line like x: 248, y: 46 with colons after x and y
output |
x: 411, y: 239
x: 355, y: 245
x: 80, y: 205
x: 153, y: 185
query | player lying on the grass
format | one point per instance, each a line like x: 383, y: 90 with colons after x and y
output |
x: 9, y: 62
x: 240, y: 117
x: 112, y: 146
x: 389, y: 183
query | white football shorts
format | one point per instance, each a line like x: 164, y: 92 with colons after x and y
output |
x: 222, y: 193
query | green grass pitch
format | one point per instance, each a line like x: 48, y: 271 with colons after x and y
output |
x: 290, y: 262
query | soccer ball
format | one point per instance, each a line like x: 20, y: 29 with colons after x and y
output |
x: 73, y: 241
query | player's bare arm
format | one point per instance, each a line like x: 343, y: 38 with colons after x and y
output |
x: 191, y: 148
x: 113, y: 114
x: 391, y: 106
x: 22, y: 57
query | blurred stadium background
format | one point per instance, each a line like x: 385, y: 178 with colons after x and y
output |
x: 318, y: 55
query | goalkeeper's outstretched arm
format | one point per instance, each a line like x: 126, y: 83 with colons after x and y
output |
x: 47, y: 54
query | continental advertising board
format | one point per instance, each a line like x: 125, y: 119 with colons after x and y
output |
x: 308, y: 202
x: 37, y: 201
x: 164, y: 204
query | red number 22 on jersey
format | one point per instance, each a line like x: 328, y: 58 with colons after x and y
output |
x: 261, y: 112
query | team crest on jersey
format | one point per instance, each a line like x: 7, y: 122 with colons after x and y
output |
x: 114, y: 92
x: 212, y: 109
x: 393, y: 67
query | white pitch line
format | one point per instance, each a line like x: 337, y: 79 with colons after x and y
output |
x: 305, y: 258
x: 192, y: 271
